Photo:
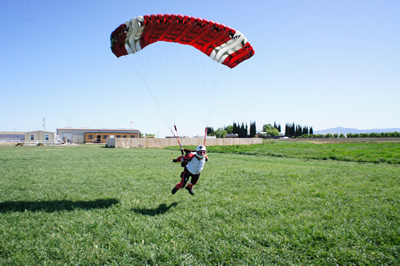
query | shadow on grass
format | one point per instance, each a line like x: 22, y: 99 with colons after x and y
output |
x: 56, y: 205
x: 161, y: 209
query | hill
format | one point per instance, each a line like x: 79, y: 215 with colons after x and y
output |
x: 342, y: 130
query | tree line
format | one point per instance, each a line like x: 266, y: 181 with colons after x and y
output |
x: 356, y: 135
x: 292, y: 130
x: 243, y: 130
x: 235, y: 130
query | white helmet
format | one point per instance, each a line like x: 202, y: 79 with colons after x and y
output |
x: 200, y: 151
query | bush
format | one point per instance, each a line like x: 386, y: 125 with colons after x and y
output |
x: 221, y: 133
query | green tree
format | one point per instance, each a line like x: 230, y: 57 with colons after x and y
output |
x: 305, y: 130
x: 229, y: 129
x: 236, y: 129
x: 253, y: 130
x: 270, y: 130
x: 243, y: 131
x: 221, y: 133
x: 210, y: 131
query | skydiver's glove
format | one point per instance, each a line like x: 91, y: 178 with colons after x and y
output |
x: 174, y: 160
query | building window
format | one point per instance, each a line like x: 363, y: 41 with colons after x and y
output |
x: 118, y: 136
x: 32, y: 137
x: 90, y: 136
x: 124, y: 136
x: 47, y: 137
x: 132, y: 136
x: 104, y: 136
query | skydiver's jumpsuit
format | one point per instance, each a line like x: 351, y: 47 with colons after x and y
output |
x: 193, y: 167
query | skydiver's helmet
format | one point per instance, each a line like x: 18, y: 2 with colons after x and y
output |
x: 200, y: 151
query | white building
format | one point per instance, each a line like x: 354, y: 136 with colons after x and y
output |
x: 40, y: 136
x: 12, y: 137
x: 89, y: 135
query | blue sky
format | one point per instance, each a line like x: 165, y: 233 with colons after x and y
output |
x: 317, y: 63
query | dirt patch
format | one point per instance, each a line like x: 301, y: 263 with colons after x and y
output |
x: 345, y: 140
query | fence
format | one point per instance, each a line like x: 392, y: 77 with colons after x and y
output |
x: 165, y: 142
x: 38, y: 142
x: 11, y: 141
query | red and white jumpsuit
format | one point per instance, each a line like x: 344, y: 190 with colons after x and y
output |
x: 193, y: 166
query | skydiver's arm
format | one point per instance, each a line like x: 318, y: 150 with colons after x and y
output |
x: 178, y: 160
x: 187, y: 151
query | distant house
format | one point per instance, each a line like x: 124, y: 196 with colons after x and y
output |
x: 11, y: 137
x: 40, y: 136
x: 88, y: 135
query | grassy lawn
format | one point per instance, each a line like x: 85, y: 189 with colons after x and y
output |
x: 373, y: 152
x: 275, y: 203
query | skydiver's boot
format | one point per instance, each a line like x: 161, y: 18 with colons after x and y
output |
x: 190, y: 189
x: 174, y: 190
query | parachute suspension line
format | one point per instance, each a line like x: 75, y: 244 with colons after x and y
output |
x: 146, y: 84
x: 154, y: 71
x: 204, y: 85
x: 177, y: 138
x: 161, y: 71
x: 205, y: 70
x: 171, y: 65
x: 205, y: 136
x: 207, y: 90
x: 162, y: 78
x: 215, y: 92
x: 157, y: 72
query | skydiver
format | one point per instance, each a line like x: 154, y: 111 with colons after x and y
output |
x: 193, y: 161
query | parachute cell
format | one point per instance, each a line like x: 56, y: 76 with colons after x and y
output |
x: 221, y: 43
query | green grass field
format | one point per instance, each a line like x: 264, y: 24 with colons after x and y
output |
x: 282, y: 203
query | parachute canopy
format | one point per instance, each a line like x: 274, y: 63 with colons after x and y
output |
x: 221, y: 43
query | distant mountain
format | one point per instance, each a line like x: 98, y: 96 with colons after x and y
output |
x: 342, y: 130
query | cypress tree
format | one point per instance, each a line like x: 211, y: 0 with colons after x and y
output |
x: 293, y: 130
x: 252, y: 129
x: 287, y: 130
x: 299, y: 131
x: 235, y: 129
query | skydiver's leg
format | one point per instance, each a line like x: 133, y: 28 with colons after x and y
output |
x: 193, y: 181
x: 180, y: 184
x: 184, y: 178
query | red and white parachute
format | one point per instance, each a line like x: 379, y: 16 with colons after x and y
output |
x: 175, y: 76
x: 221, y: 43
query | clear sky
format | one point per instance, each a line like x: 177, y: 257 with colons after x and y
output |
x: 318, y: 63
